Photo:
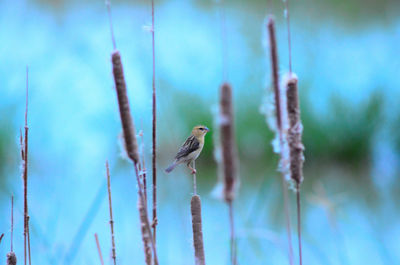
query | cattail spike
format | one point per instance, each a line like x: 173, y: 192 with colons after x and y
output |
x: 227, y: 142
x: 124, y: 109
x: 197, y: 230
x: 295, y: 129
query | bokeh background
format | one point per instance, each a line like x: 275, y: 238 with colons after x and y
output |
x: 346, y: 55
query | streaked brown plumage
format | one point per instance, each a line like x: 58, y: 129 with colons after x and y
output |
x: 190, y: 149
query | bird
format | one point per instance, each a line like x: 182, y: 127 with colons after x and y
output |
x: 190, y: 149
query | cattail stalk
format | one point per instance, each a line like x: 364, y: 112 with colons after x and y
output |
x: 12, y: 222
x: 146, y: 237
x: 154, y: 135
x: 99, y: 249
x: 111, y: 214
x: 11, y: 258
x: 296, y: 147
x: 130, y: 140
x: 24, y: 153
x: 228, y: 156
x: 195, y: 207
x: 279, y: 118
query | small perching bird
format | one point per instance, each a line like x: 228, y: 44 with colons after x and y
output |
x: 190, y: 149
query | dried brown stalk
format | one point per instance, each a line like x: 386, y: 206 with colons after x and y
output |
x: 99, y: 249
x: 197, y: 230
x: 12, y: 222
x: 145, y: 235
x: 154, y: 130
x: 1, y: 237
x: 228, y: 156
x: 111, y: 213
x: 24, y: 153
x: 279, y: 118
x: 296, y: 147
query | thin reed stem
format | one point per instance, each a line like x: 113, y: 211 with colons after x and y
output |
x: 224, y: 42
x: 1, y: 237
x: 111, y: 213
x: 154, y: 129
x: 145, y: 219
x: 195, y: 206
x: 29, y: 241
x: 108, y: 5
x: 299, y: 221
x: 194, y: 178
x: 287, y: 15
x: 275, y: 79
x: 232, y: 231
x: 12, y: 222
x: 99, y: 249
x: 25, y: 172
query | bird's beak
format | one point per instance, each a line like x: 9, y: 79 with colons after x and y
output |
x: 207, y: 129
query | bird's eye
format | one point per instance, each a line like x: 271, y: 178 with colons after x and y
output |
x: 201, y: 129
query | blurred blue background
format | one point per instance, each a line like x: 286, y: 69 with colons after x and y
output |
x: 345, y: 53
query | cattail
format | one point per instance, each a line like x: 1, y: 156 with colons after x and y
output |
x: 296, y: 147
x: 280, y: 118
x: 227, y: 142
x: 11, y: 258
x: 228, y: 156
x: 111, y: 214
x: 146, y: 236
x: 124, y: 109
x: 197, y: 230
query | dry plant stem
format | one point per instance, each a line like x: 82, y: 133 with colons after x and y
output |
x: 99, y: 249
x: 224, y: 41
x: 275, y: 79
x: 111, y: 214
x: 1, y: 237
x: 108, y: 5
x: 299, y: 222
x: 145, y: 235
x: 29, y: 242
x: 194, y: 178
x: 25, y: 173
x: 12, y: 222
x: 154, y: 153
x: 197, y: 230
x: 144, y: 219
x: 288, y: 34
x: 232, y: 230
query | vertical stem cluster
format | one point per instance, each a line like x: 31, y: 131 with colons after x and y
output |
x: 154, y: 224
x: 279, y: 118
x: 195, y: 207
x: 228, y: 156
x: 111, y: 213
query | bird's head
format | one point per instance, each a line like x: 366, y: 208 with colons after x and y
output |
x: 200, y: 130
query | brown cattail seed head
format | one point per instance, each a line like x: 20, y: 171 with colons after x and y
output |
x: 195, y: 207
x: 124, y: 109
x: 295, y: 130
x: 227, y: 142
x: 11, y: 258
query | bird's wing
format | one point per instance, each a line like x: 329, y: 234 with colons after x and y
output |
x: 191, y: 144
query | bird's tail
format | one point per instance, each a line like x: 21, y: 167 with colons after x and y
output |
x: 171, y: 167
